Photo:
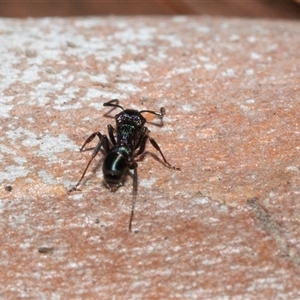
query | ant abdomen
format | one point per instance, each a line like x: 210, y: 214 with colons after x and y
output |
x: 115, y: 167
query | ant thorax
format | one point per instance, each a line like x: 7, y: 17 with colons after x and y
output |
x: 129, y: 125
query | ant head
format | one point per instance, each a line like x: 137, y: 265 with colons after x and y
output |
x: 130, y: 116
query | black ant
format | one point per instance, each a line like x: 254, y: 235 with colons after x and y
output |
x: 127, y: 141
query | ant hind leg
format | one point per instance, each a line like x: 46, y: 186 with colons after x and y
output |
x: 134, y: 194
x: 155, y: 145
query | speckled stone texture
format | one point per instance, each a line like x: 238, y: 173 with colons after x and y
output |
x: 225, y: 226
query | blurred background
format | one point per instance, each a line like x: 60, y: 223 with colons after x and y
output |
x: 281, y: 9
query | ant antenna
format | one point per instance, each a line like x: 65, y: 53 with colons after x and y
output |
x: 113, y: 103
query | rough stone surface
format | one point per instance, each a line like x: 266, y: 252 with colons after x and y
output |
x: 225, y: 226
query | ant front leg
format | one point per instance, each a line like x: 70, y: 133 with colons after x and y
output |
x: 103, y: 142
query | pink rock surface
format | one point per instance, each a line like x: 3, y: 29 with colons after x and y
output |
x: 225, y: 226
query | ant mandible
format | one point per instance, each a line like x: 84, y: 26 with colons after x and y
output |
x: 126, y: 142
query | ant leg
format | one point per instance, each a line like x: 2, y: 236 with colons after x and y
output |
x: 142, y: 146
x: 113, y: 103
x: 134, y: 193
x: 88, y: 140
x: 111, y: 131
x: 155, y: 145
x: 92, y: 136
x: 104, y: 143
